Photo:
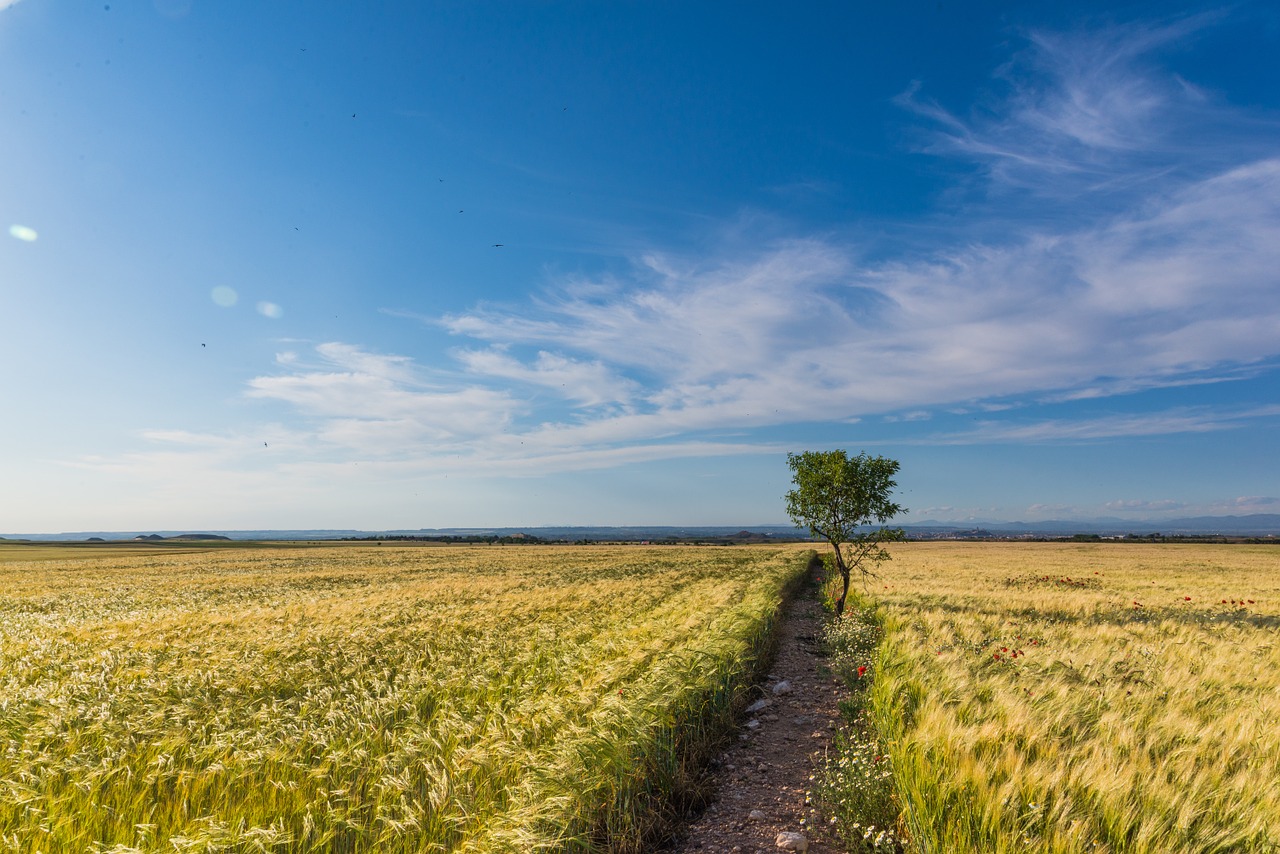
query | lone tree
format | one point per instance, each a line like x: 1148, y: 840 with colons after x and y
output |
x: 838, y: 497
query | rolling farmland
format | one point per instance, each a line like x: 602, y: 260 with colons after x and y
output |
x: 1067, y: 698
x: 366, y: 698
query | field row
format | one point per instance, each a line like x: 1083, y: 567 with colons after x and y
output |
x: 1071, y: 698
x: 367, y: 698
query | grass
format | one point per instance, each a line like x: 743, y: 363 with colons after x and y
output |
x: 361, y: 699
x: 1066, y: 698
x: 854, y: 785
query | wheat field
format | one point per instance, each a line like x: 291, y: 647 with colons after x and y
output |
x: 1105, y: 697
x: 362, y: 698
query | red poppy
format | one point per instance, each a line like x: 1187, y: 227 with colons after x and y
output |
x: 862, y: 671
x: 1186, y: 598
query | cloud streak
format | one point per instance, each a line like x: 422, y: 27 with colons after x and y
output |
x: 1094, y: 112
x: 1163, y: 423
x: 1171, y: 282
x: 1178, y: 291
x: 1181, y: 291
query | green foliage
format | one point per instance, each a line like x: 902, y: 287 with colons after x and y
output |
x: 838, y: 498
x: 855, y: 786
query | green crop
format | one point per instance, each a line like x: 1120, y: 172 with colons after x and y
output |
x: 362, y: 699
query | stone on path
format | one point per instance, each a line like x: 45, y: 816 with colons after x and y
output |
x: 790, y: 841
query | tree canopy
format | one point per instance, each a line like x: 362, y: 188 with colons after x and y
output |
x: 838, y: 498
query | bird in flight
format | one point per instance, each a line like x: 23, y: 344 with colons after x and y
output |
x: 497, y: 245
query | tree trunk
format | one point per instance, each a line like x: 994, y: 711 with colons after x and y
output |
x: 844, y: 580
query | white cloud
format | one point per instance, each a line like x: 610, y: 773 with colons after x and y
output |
x: 1168, y: 507
x: 224, y: 296
x: 1145, y: 506
x: 1163, y: 423
x: 1172, y: 282
x: 1049, y: 510
x: 1253, y: 501
x: 1088, y: 111
x: 589, y: 383
x: 684, y: 320
x: 1179, y: 291
x: 376, y: 412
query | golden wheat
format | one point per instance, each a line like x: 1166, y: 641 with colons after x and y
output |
x: 366, y: 698
x: 1063, y: 698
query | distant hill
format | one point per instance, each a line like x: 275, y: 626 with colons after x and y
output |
x: 1255, y: 525
x: 571, y: 533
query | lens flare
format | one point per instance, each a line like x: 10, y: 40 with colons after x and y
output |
x: 23, y: 233
x: 173, y: 8
x: 270, y: 309
x: 224, y: 296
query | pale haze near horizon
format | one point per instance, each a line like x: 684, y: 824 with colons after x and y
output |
x: 463, y: 265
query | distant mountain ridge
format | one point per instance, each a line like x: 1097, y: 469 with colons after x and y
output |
x: 1257, y: 524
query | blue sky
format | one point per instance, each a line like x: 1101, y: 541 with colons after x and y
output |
x: 309, y: 265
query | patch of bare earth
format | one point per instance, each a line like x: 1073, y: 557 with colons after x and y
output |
x: 762, y: 781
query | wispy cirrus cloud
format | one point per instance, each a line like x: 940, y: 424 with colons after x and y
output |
x: 1144, y: 506
x: 1179, y: 292
x: 379, y: 403
x: 1162, y: 423
x: 1096, y: 111
x: 1244, y: 505
x: 1172, y: 282
x: 587, y: 383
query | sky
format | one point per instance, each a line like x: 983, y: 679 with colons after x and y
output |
x: 403, y: 265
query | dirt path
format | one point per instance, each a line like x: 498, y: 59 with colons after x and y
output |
x: 762, y: 781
